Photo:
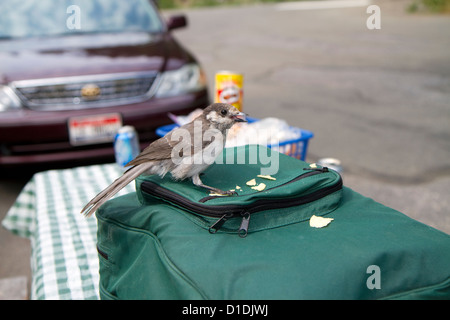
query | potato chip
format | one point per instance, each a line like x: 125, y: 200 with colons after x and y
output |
x: 266, y: 177
x: 251, y: 182
x: 319, y: 222
x: 259, y: 187
x: 213, y: 194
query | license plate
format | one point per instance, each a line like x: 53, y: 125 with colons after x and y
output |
x: 94, y: 129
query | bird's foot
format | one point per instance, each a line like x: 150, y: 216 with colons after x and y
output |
x: 230, y: 193
x: 198, y: 182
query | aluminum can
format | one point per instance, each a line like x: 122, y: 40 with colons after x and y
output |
x: 126, y: 145
x: 229, y: 88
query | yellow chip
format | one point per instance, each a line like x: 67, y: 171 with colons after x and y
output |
x: 319, y: 222
x: 266, y: 177
x: 259, y: 187
x: 212, y: 194
x: 251, y: 182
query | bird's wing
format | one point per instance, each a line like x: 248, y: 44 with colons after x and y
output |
x: 156, y: 151
x: 189, y: 136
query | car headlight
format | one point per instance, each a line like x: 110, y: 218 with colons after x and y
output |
x: 188, y: 78
x: 8, y: 99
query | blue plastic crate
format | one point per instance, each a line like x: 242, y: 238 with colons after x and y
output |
x: 296, y: 148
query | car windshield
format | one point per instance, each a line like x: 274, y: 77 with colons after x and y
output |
x: 43, y: 18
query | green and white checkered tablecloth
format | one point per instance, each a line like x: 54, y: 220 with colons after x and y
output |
x: 64, y: 261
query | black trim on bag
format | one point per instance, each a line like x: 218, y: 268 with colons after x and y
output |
x: 102, y: 253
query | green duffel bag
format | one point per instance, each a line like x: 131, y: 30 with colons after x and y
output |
x: 173, y: 240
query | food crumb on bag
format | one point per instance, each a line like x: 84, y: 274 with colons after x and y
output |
x: 319, y: 222
x: 259, y: 187
x: 266, y: 177
x: 213, y: 194
x: 251, y: 182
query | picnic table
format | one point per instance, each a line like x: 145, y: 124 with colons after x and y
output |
x: 64, y: 261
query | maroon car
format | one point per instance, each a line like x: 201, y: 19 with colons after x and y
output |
x: 71, y: 75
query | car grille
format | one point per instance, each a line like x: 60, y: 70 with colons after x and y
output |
x: 86, y: 91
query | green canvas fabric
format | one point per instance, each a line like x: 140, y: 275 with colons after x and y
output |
x: 296, y: 179
x: 150, y: 249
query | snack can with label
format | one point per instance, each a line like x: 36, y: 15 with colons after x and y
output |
x: 126, y: 145
x: 229, y: 88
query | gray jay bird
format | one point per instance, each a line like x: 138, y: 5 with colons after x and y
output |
x: 185, y: 152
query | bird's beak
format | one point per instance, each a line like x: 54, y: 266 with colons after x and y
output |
x: 240, y: 117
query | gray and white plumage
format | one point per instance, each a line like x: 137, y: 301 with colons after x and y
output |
x: 182, y: 152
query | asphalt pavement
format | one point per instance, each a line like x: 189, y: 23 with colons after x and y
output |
x: 378, y: 100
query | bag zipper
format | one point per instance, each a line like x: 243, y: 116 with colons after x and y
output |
x: 232, y: 211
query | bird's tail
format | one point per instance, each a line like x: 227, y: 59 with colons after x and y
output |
x: 114, y: 187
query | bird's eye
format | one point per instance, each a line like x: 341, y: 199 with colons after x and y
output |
x: 224, y: 112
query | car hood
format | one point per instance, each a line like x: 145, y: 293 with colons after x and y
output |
x: 75, y: 55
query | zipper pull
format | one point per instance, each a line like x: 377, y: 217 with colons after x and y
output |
x: 218, y: 224
x: 243, y: 229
